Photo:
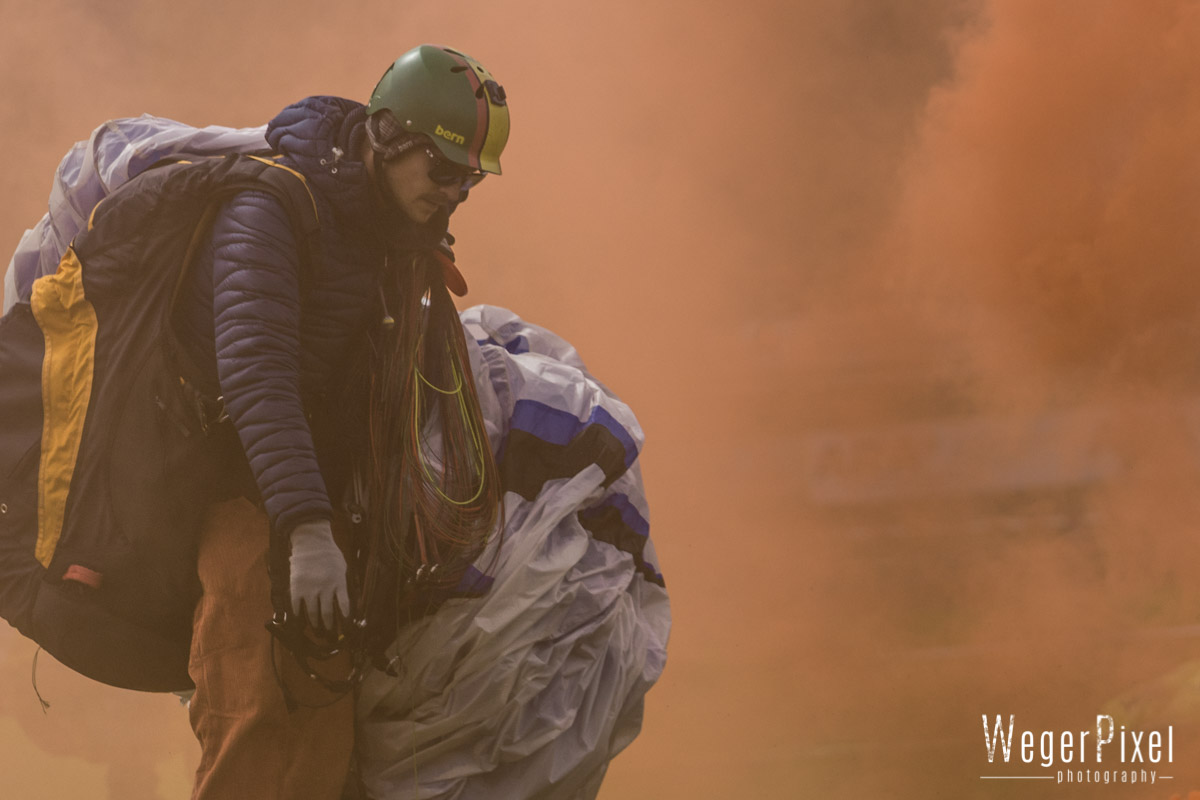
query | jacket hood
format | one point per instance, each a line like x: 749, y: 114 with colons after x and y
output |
x: 323, y: 138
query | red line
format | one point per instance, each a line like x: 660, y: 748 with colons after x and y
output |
x: 481, y: 115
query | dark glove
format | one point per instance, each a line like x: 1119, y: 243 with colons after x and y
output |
x: 318, y: 575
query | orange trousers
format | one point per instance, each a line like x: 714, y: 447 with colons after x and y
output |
x: 251, y: 746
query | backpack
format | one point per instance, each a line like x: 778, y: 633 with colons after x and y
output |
x: 104, y: 463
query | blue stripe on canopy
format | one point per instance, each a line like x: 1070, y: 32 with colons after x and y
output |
x: 561, y: 427
x: 516, y: 345
x: 629, y: 514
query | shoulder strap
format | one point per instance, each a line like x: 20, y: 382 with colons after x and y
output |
x: 255, y: 172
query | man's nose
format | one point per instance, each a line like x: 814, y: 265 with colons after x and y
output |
x: 451, y: 191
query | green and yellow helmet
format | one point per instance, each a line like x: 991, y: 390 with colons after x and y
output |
x: 449, y: 97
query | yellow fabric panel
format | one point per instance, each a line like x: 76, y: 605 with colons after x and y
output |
x: 68, y: 324
x: 497, y: 136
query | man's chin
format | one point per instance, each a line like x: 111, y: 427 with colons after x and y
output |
x: 418, y: 215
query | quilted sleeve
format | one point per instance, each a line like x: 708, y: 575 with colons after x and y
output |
x: 256, y: 309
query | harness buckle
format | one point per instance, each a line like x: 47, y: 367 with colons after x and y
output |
x: 210, y: 412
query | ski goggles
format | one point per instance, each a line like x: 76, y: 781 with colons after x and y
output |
x: 446, y: 173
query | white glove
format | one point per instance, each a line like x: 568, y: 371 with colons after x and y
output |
x: 318, y: 575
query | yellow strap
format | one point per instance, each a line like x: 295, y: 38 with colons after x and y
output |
x: 303, y: 181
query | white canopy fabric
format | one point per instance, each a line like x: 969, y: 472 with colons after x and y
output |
x: 529, y: 691
x: 115, y: 152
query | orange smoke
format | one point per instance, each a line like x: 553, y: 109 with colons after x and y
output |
x: 1055, y: 187
x: 1042, y: 248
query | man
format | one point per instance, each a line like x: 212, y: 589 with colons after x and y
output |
x: 274, y: 348
x: 327, y: 374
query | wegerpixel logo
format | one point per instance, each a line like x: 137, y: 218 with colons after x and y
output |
x: 1108, y: 754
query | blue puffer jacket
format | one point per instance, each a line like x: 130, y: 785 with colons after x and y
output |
x: 276, y: 352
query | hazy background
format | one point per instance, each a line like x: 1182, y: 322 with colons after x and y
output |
x: 904, y: 295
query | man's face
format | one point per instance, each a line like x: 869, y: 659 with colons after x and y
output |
x: 417, y: 194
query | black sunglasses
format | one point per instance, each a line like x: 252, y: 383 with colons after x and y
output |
x: 447, y: 173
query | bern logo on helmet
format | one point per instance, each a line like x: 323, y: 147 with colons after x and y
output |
x: 450, y: 136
